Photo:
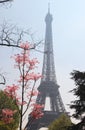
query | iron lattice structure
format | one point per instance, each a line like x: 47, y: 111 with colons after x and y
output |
x: 48, y: 86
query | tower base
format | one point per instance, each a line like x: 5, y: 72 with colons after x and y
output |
x: 45, y: 121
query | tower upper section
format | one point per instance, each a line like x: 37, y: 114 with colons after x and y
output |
x: 48, y: 70
x: 48, y: 18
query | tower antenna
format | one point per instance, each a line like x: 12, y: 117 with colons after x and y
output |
x: 49, y: 7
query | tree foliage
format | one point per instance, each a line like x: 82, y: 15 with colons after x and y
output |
x: 79, y: 104
x: 3, y: 126
x: 79, y: 92
x: 7, y: 102
x: 62, y: 123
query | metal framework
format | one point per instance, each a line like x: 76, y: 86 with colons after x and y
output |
x: 48, y: 86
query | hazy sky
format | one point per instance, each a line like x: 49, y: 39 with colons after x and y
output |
x: 68, y: 35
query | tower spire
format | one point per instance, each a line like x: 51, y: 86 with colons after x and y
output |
x: 49, y: 7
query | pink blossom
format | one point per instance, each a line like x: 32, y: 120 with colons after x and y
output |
x: 7, y: 115
x: 33, y: 76
x: 33, y: 62
x: 12, y: 88
x: 36, y: 76
x: 25, y: 45
x: 30, y: 76
x: 38, y: 106
x: 33, y: 93
x: 20, y: 58
x: 11, y: 91
x: 37, y: 114
x: 37, y: 111
x: 24, y: 58
x: 21, y: 103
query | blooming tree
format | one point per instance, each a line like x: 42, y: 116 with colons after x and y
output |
x: 25, y: 91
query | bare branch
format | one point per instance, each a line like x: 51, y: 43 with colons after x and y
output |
x: 5, y: 1
x: 11, y: 36
x: 3, y: 78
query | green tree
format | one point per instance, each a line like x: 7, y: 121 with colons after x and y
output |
x: 62, y: 123
x: 4, y: 127
x: 9, y: 103
x: 79, y: 92
x: 79, y: 104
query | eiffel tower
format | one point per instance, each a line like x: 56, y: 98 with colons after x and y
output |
x: 49, y: 89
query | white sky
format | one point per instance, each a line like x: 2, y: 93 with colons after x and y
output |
x: 68, y: 36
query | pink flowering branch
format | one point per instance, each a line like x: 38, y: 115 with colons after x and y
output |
x: 25, y: 65
x: 37, y: 111
x: 11, y: 91
x: 26, y: 68
x: 35, y: 114
x: 29, y: 100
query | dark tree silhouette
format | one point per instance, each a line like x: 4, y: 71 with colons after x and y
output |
x: 79, y: 104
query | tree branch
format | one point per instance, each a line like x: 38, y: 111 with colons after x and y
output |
x: 4, y: 80
x: 4, y: 1
x: 11, y: 36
